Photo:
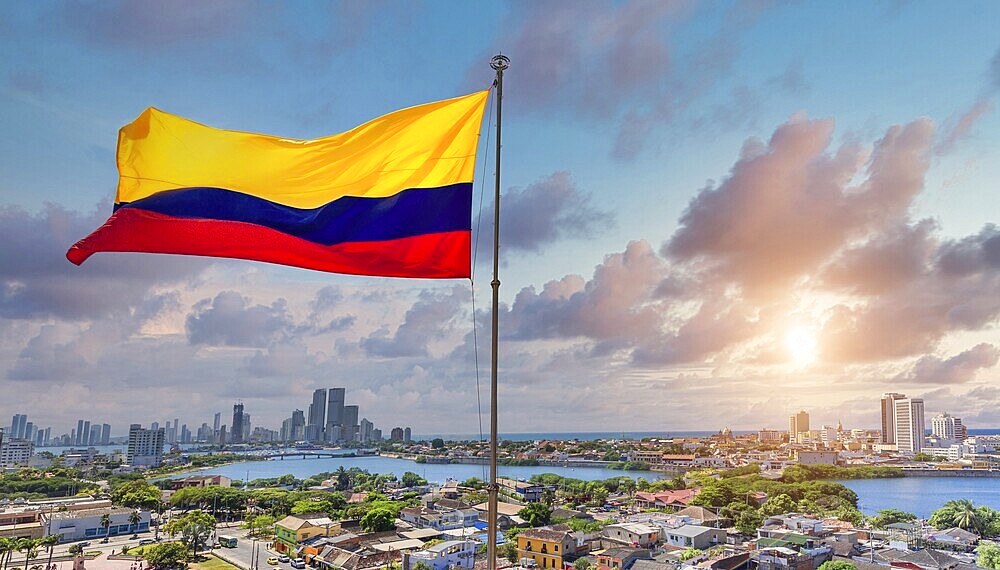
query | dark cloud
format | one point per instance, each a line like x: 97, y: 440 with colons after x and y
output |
x: 230, y: 320
x: 37, y: 281
x: 429, y: 319
x: 972, y: 254
x: 51, y: 355
x: 545, y: 212
x: 957, y: 369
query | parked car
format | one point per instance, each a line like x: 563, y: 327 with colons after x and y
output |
x: 273, y: 561
x: 284, y: 559
x: 84, y: 543
x: 298, y: 563
x: 146, y: 541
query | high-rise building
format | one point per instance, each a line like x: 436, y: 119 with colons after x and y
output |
x: 334, y: 413
x: 909, y: 423
x: 145, y: 446
x: 407, y: 435
x: 317, y: 415
x: 396, y: 434
x: 376, y: 434
x: 236, y: 434
x: 889, y: 415
x: 350, y: 428
x: 217, y: 422
x: 48, y: 436
x: 78, y: 439
x: 22, y: 427
x: 15, y: 451
x: 797, y: 423
x: 298, y: 425
x: 95, y: 434
x: 18, y: 426
x: 365, y: 430
x: 945, y: 426
x: 85, y: 436
x: 28, y: 432
x: 105, y: 434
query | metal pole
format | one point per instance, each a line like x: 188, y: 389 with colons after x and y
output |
x: 499, y: 63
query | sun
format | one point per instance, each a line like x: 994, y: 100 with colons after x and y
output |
x: 801, y: 344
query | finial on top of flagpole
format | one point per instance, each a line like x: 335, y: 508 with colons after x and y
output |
x: 500, y: 62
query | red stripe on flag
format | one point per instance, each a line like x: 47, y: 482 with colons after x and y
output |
x: 433, y: 256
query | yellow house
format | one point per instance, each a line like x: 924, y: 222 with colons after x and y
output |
x: 292, y: 530
x: 546, y: 546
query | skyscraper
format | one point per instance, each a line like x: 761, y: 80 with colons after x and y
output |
x: 334, y: 413
x: 909, y: 423
x: 350, y: 428
x: 95, y: 434
x: 217, y: 422
x: 105, y: 434
x: 78, y: 440
x: 18, y: 425
x: 365, y: 430
x: 236, y: 433
x: 85, y: 436
x: 797, y: 423
x: 317, y: 415
x: 889, y: 415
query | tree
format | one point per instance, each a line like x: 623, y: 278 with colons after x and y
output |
x: 6, y: 548
x: 778, y: 505
x: 437, y: 443
x: 582, y: 564
x: 134, y: 519
x: 378, y: 519
x: 166, y: 555
x: 30, y: 548
x: 194, y: 528
x: 690, y: 553
x: 989, y: 554
x: 536, y: 514
x: 837, y: 565
x: 411, y: 479
x: 260, y: 526
x: 49, y: 541
x: 137, y: 494
x: 509, y: 550
x: 886, y: 517
x: 106, y: 524
x: 963, y: 514
x: 473, y: 483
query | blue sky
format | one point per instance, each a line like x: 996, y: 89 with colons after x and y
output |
x: 619, y: 118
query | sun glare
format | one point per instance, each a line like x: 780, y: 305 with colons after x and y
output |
x: 801, y: 345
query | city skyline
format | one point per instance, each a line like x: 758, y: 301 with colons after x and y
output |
x: 713, y: 215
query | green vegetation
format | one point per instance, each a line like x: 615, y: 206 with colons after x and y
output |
x: 989, y: 554
x: 166, y: 555
x: 799, y: 473
x: 837, y: 565
x: 689, y: 553
x: 574, y: 492
x: 194, y: 529
x: 378, y: 519
x: 962, y: 513
x: 802, y: 493
x: 536, y: 514
x: 582, y: 564
x: 44, y: 483
x: 886, y: 517
x: 630, y: 466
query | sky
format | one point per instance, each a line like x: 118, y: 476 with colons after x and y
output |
x: 714, y: 214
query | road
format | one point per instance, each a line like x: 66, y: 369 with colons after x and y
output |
x: 242, y: 555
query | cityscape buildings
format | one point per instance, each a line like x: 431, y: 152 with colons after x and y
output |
x: 237, y: 425
x: 888, y: 416
x: 797, y: 423
x: 945, y: 426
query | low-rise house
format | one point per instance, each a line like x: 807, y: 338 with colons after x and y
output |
x: 525, y: 491
x: 292, y: 530
x: 621, y: 558
x: 444, y: 556
x: 81, y: 524
x: 694, y: 536
x: 781, y: 558
x: 704, y: 517
x: 795, y: 522
x: 336, y: 558
x: 545, y: 546
x: 633, y: 534
x: 957, y: 539
x: 447, y: 519
x: 678, y: 499
x: 201, y: 481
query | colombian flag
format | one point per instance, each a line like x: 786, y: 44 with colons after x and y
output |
x: 392, y: 197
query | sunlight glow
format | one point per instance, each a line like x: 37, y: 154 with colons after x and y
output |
x: 801, y: 344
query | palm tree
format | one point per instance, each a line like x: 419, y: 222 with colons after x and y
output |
x: 30, y: 548
x: 134, y: 519
x: 106, y: 524
x: 50, y: 541
x: 965, y: 515
x: 6, y: 547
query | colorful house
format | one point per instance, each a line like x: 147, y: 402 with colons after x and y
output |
x: 546, y: 546
x: 292, y: 530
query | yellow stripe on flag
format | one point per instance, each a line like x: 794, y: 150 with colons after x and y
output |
x: 426, y: 146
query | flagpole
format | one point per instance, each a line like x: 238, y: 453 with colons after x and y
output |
x: 499, y: 63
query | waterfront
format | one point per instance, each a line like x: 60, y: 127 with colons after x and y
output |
x: 433, y: 472
x: 922, y: 495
